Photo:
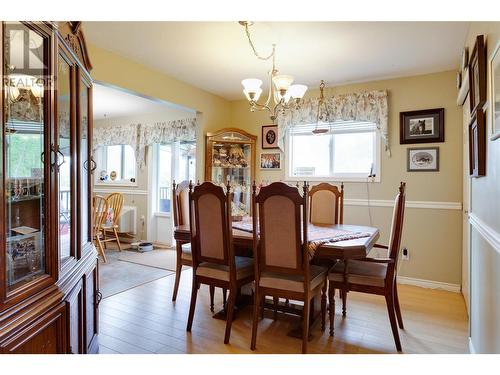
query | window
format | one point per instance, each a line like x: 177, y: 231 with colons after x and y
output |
x: 175, y: 161
x: 116, y: 164
x: 348, y: 151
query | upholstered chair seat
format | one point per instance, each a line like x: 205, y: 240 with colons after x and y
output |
x: 244, y: 268
x: 293, y: 283
x: 359, y: 272
x: 186, y: 251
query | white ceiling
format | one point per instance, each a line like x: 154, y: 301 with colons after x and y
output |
x: 215, y: 56
x: 110, y: 102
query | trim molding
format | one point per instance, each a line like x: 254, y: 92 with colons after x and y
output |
x: 429, y: 284
x: 123, y: 191
x: 409, y: 204
x: 487, y: 232
x: 471, y: 346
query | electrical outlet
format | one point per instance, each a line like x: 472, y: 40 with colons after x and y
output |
x: 405, y: 254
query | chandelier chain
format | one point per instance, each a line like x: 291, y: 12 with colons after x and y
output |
x: 247, y: 31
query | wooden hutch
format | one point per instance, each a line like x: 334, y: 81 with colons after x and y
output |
x: 49, y: 293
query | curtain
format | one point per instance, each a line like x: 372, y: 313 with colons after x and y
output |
x: 141, y: 135
x: 362, y: 106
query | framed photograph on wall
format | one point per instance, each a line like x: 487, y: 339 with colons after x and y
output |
x: 477, y: 76
x: 269, y: 137
x: 477, y: 145
x: 270, y: 160
x: 423, y: 159
x: 424, y: 126
x: 495, y: 93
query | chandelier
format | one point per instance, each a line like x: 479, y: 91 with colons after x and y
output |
x: 282, y: 95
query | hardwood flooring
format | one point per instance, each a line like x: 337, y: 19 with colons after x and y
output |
x: 145, y: 320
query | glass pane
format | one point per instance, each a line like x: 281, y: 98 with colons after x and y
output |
x: 128, y: 162
x: 23, y: 144
x: 310, y: 155
x: 187, y: 161
x: 64, y: 160
x: 114, y: 162
x: 84, y: 164
x: 164, y: 177
x: 353, y: 153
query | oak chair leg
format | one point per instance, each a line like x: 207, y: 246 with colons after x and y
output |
x: 344, y: 302
x: 305, y: 324
x: 398, y: 309
x: 194, y: 293
x: 275, y: 307
x: 331, y: 309
x: 212, y: 293
x: 178, y: 270
x: 229, y: 315
x: 392, y: 318
x: 100, y: 250
x: 104, y: 242
x: 256, y: 308
x: 117, y: 239
x: 323, y: 306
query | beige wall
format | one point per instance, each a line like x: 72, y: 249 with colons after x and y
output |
x: 433, y: 236
x: 485, y: 231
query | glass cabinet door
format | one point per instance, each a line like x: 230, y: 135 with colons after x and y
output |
x: 25, y: 146
x: 64, y: 149
x: 85, y: 165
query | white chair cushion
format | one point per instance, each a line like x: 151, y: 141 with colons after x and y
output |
x: 186, y: 251
x: 293, y: 283
x: 359, y: 272
x: 244, y: 268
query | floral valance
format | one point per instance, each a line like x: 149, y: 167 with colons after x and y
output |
x: 141, y: 135
x: 363, y: 106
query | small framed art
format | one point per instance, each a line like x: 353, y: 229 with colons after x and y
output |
x: 269, y: 137
x: 477, y: 75
x: 423, y: 159
x: 424, y: 126
x: 477, y: 145
x: 270, y: 160
x: 495, y: 93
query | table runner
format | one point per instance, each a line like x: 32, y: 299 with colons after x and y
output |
x: 318, y: 235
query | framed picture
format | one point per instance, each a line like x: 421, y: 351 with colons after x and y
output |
x: 495, y: 93
x: 423, y: 159
x: 477, y: 145
x: 270, y: 160
x: 425, y: 126
x: 477, y: 76
x: 269, y: 137
x: 465, y: 59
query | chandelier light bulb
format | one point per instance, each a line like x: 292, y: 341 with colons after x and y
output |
x: 251, y: 88
x: 282, y: 83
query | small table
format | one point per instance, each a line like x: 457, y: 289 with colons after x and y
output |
x: 347, y: 249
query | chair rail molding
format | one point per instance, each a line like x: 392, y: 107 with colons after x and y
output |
x: 409, y: 204
x: 487, y: 232
x: 117, y: 189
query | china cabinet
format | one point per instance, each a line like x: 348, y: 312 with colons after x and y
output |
x: 48, y: 265
x: 230, y: 157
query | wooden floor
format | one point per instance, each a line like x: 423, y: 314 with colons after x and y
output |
x: 145, y: 320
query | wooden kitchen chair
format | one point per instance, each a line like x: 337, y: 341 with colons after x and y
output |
x: 115, y: 204
x: 100, y: 211
x: 326, y: 204
x: 282, y: 268
x: 214, y: 262
x: 374, y: 275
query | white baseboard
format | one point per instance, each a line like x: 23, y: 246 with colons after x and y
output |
x: 471, y: 347
x: 429, y: 284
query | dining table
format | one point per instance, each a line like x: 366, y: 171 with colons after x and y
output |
x: 338, y: 242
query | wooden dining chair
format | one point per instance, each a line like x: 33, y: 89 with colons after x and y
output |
x: 326, y: 204
x: 100, y: 210
x: 374, y: 275
x: 115, y: 204
x: 282, y: 268
x: 214, y: 262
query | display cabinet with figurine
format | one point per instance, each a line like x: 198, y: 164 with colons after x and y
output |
x: 230, y: 158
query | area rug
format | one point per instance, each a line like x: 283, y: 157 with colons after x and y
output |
x: 159, y: 258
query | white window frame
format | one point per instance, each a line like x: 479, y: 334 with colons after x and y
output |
x: 101, y: 162
x: 336, y: 177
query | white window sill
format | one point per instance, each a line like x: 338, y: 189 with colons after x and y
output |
x: 119, y: 183
x: 332, y: 179
x: 162, y: 214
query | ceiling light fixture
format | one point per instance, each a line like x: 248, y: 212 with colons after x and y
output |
x: 323, y: 114
x: 281, y: 88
